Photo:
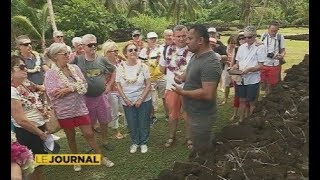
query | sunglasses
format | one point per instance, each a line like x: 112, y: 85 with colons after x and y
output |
x: 242, y: 38
x: 131, y: 50
x: 248, y: 37
x: 115, y: 51
x: 25, y: 44
x: 59, y: 36
x: 65, y: 54
x: 21, y: 66
x: 90, y: 45
x: 136, y: 35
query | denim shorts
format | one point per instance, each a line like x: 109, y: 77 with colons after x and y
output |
x: 249, y: 91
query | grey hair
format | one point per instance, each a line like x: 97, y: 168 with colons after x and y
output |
x: 76, y: 40
x: 167, y: 31
x: 88, y: 37
x: 250, y: 29
x: 179, y: 28
x: 54, y: 49
x: 108, y: 45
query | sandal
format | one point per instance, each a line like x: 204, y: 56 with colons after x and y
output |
x: 189, y: 144
x: 169, y: 142
x: 119, y: 136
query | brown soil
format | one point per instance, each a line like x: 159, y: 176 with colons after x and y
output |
x: 272, y: 144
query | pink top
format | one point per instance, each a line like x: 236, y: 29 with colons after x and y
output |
x: 69, y: 106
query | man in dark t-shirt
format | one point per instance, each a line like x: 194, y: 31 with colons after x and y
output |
x: 199, y: 92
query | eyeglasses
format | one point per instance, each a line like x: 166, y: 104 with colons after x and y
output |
x: 65, y: 54
x: 131, y: 50
x: 115, y: 51
x: 92, y: 44
x: 248, y: 37
x: 21, y: 66
x: 25, y: 44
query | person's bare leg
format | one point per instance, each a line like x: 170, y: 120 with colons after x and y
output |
x: 90, y: 137
x: 104, y: 133
x: 226, y: 95
x: 71, y: 138
x: 235, y: 113
x: 242, y: 108
x: 252, y: 106
x: 16, y: 172
x: 165, y: 106
x: 37, y: 174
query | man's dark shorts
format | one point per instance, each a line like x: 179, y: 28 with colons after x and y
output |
x: 249, y: 91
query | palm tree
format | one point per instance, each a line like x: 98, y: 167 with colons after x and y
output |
x: 157, y: 7
x: 186, y: 8
x: 53, y: 22
x: 116, y: 6
x: 36, y: 27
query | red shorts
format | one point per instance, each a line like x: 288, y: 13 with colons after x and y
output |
x: 70, y: 123
x: 270, y: 74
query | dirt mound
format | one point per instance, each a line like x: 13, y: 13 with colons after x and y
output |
x: 272, y: 144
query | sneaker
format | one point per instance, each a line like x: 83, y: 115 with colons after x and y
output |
x: 144, y: 148
x: 133, y: 148
x: 77, y: 168
x: 153, y: 120
x: 105, y: 161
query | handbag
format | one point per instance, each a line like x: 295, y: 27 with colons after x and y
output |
x: 52, y: 124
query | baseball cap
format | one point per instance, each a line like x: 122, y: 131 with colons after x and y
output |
x: 212, y: 29
x: 57, y: 33
x: 23, y: 39
x: 135, y: 32
x: 152, y: 35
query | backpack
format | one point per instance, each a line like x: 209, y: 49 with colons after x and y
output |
x: 264, y: 35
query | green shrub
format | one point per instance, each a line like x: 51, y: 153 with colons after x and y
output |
x: 148, y: 23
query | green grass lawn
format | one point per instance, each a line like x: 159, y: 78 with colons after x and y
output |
x: 147, y: 166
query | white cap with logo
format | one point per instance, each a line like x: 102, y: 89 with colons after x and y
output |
x: 152, y: 35
x: 212, y: 29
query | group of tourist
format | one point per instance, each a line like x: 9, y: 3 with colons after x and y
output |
x: 87, y: 91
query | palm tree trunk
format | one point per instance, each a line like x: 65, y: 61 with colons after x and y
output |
x: 53, y: 22
x: 265, y: 2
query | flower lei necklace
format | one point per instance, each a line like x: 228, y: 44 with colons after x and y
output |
x: 180, y: 60
x: 79, y: 85
x: 123, y: 73
x: 31, y: 99
x: 148, y: 61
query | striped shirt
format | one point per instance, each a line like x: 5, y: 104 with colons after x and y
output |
x: 70, y: 105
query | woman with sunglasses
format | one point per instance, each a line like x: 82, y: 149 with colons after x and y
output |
x: 65, y: 87
x: 110, y: 51
x: 28, y: 113
x: 133, y: 82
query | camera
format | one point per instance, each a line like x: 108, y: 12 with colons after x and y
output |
x: 270, y: 55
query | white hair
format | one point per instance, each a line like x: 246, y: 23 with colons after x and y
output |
x: 76, y: 40
x: 167, y: 31
x: 88, y: 37
x: 108, y: 45
x: 55, y: 48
